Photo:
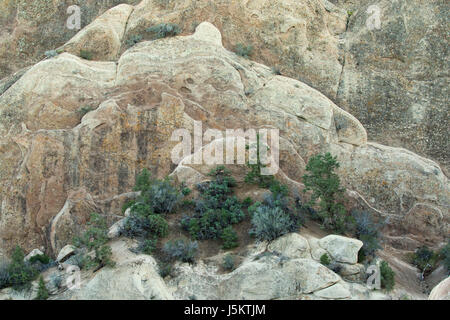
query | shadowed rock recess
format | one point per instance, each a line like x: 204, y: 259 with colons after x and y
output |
x: 74, y: 134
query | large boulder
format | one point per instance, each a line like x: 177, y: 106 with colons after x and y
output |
x: 291, y: 245
x: 441, y: 291
x: 134, y: 277
x: 341, y: 249
x: 102, y: 39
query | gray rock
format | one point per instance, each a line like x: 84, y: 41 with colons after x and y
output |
x: 341, y: 249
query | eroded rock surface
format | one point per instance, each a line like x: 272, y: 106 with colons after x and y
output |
x: 57, y: 166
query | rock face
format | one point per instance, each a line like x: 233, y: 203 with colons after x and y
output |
x: 269, y: 272
x: 58, y: 165
x: 29, y: 29
x: 441, y: 291
x: 134, y: 277
x: 393, y: 79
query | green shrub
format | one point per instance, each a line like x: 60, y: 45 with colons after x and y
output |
x: 127, y: 205
x: 229, y: 238
x: 51, y: 53
x: 216, y: 209
x: 247, y: 202
x: 269, y: 223
x: 147, y: 246
x: 276, y: 71
x: 88, y: 55
x: 162, y: 196
x: 366, y: 231
x: 96, y: 238
x: 228, y: 262
x: 42, y: 258
x: 143, y: 182
x: 157, y: 196
x: 186, y: 191
x: 133, y: 40
x: 21, y: 273
x: 42, y: 293
x: 139, y: 225
x: 325, y: 185
x: 445, y: 254
x: 325, y: 260
x: 165, y: 269
x: 164, y: 30
x: 243, y: 51
x: 5, y: 279
x: 254, y: 176
x: 181, y: 250
x: 387, y: 276
x: 82, y: 111
x: 425, y: 259
x: 273, y: 218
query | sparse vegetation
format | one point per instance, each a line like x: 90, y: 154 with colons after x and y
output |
x: 425, y: 259
x: 146, y: 226
x: 95, y: 238
x: 270, y: 223
x: 182, y: 250
x: 131, y: 41
x: 42, y: 293
x: 228, y: 262
x: 127, y: 205
x: 164, y: 30
x: 50, y: 53
x: 88, y: 55
x: 366, y: 230
x: 445, y: 253
x: 159, y: 196
x: 186, y: 191
x: 165, y: 269
x: 247, y: 202
x: 276, y: 71
x: 325, y: 259
x: 18, y: 273
x: 216, y: 209
x: 326, y: 189
x: 243, y: 50
x: 387, y: 276
x: 229, y: 238
x: 254, y: 176
x: 42, y: 258
x: 5, y: 278
x: 147, y: 246
x: 273, y: 218
x: 82, y: 111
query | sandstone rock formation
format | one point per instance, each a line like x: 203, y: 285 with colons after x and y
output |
x: 393, y: 79
x: 441, y: 291
x: 134, y: 277
x: 57, y: 166
x: 341, y: 249
x: 282, y: 270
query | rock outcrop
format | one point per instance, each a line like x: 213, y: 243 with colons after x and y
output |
x: 441, y: 291
x: 57, y: 165
x: 283, y: 269
x: 393, y: 77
